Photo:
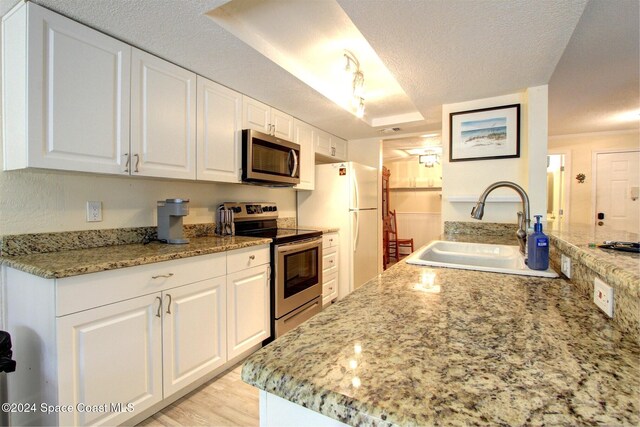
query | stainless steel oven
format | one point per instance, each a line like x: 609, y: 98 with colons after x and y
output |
x: 269, y: 160
x: 298, y: 282
x: 296, y: 263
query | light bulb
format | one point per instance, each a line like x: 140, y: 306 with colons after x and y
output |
x: 360, y: 110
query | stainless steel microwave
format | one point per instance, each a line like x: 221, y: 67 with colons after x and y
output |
x: 269, y: 160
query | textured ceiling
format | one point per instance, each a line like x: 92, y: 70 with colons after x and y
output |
x: 440, y: 51
x: 597, y: 81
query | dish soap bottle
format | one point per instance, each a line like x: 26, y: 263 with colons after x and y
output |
x: 538, y: 247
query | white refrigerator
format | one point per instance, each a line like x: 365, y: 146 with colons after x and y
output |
x: 346, y: 196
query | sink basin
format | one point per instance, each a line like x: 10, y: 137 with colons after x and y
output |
x: 475, y: 256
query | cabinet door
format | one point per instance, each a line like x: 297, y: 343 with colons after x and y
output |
x: 110, y: 355
x: 163, y: 118
x: 78, y: 88
x: 256, y: 115
x: 282, y: 125
x: 339, y: 150
x: 219, y: 124
x: 323, y: 143
x: 248, y: 309
x: 303, y: 134
x: 194, y: 332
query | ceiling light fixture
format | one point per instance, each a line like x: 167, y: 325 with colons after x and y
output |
x: 357, y: 85
x: 429, y: 159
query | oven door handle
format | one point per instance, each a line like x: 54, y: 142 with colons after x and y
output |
x: 298, y: 246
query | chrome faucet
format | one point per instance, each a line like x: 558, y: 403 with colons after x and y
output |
x: 524, y: 219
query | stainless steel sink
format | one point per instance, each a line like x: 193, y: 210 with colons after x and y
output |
x: 475, y: 256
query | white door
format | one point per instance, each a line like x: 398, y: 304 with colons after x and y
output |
x: 219, y: 147
x: 79, y: 96
x: 364, y: 259
x: 194, y: 332
x: 248, y: 309
x: 364, y: 186
x: 163, y: 118
x: 617, y: 187
x: 303, y: 135
x: 256, y: 115
x: 110, y: 355
x: 282, y: 125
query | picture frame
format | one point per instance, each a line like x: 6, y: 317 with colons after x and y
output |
x: 486, y: 133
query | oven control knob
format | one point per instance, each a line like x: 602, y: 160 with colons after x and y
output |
x: 266, y: 209
x: 274, y: 208
x: 237, y: 209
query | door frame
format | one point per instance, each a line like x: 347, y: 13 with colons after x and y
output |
x: 566, y: 186
x: 594, y: 172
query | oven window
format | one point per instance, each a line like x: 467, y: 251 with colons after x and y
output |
x: 271, y: 158
x: 301, y: 271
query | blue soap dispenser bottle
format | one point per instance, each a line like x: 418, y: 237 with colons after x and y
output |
x: 538, y: 247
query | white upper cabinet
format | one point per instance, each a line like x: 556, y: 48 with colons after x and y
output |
x: 263, y: 118
x: 303, y: 134
x: 330, y: 147
x: 76, y: 113
x: 219, y: 147
x: 163, y: 118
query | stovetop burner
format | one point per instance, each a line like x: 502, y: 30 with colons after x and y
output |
x: 280, y: 235
x: 259, y: 219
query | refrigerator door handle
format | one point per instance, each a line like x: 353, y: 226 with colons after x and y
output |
x: 357, y: 230
x: 356, y: 192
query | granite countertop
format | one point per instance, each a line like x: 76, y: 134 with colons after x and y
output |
x: 579, y: 240
x: 473, y: 348
x: 81, y: 261
x: 324, y: 230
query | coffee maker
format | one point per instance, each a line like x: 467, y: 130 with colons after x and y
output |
x: 170, y: 213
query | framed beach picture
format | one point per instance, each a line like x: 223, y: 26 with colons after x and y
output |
x: 488, y: 133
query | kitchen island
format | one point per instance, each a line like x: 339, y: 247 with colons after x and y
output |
x: 429, y: 346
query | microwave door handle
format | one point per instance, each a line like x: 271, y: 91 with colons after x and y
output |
x: 295, y: 162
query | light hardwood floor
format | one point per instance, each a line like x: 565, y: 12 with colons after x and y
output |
x: 224, y: 401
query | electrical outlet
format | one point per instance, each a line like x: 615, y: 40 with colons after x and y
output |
x: 565, y: 266
x: 94, y: 211
x: 603, y: 296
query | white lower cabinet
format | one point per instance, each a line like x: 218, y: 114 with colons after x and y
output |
x: 249, y: 309
x: 330, y: 267
x: 111, y: 345
x: 112, y: 355
x: 194, y: 332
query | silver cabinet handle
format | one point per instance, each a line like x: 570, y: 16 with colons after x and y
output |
x: 159, y: 307
x: 169, y: 305
x: 252, y: 257
x: 166, y: 276
x: 127, y: 163
x: 137, y: 156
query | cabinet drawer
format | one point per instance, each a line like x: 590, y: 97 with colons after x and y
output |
x: 241, y: 259
x: 330, y: 240
x: 79, y: 293
x: 329, y: 260
x: 330, y: 286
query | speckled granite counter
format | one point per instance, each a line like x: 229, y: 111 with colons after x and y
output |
x: 81, y: 261
x: 474, y: 348
x: 324, y: 230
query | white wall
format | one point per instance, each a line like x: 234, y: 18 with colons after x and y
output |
x: 470, y: 178
x: 36, y: 201
x: 580, y: 149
